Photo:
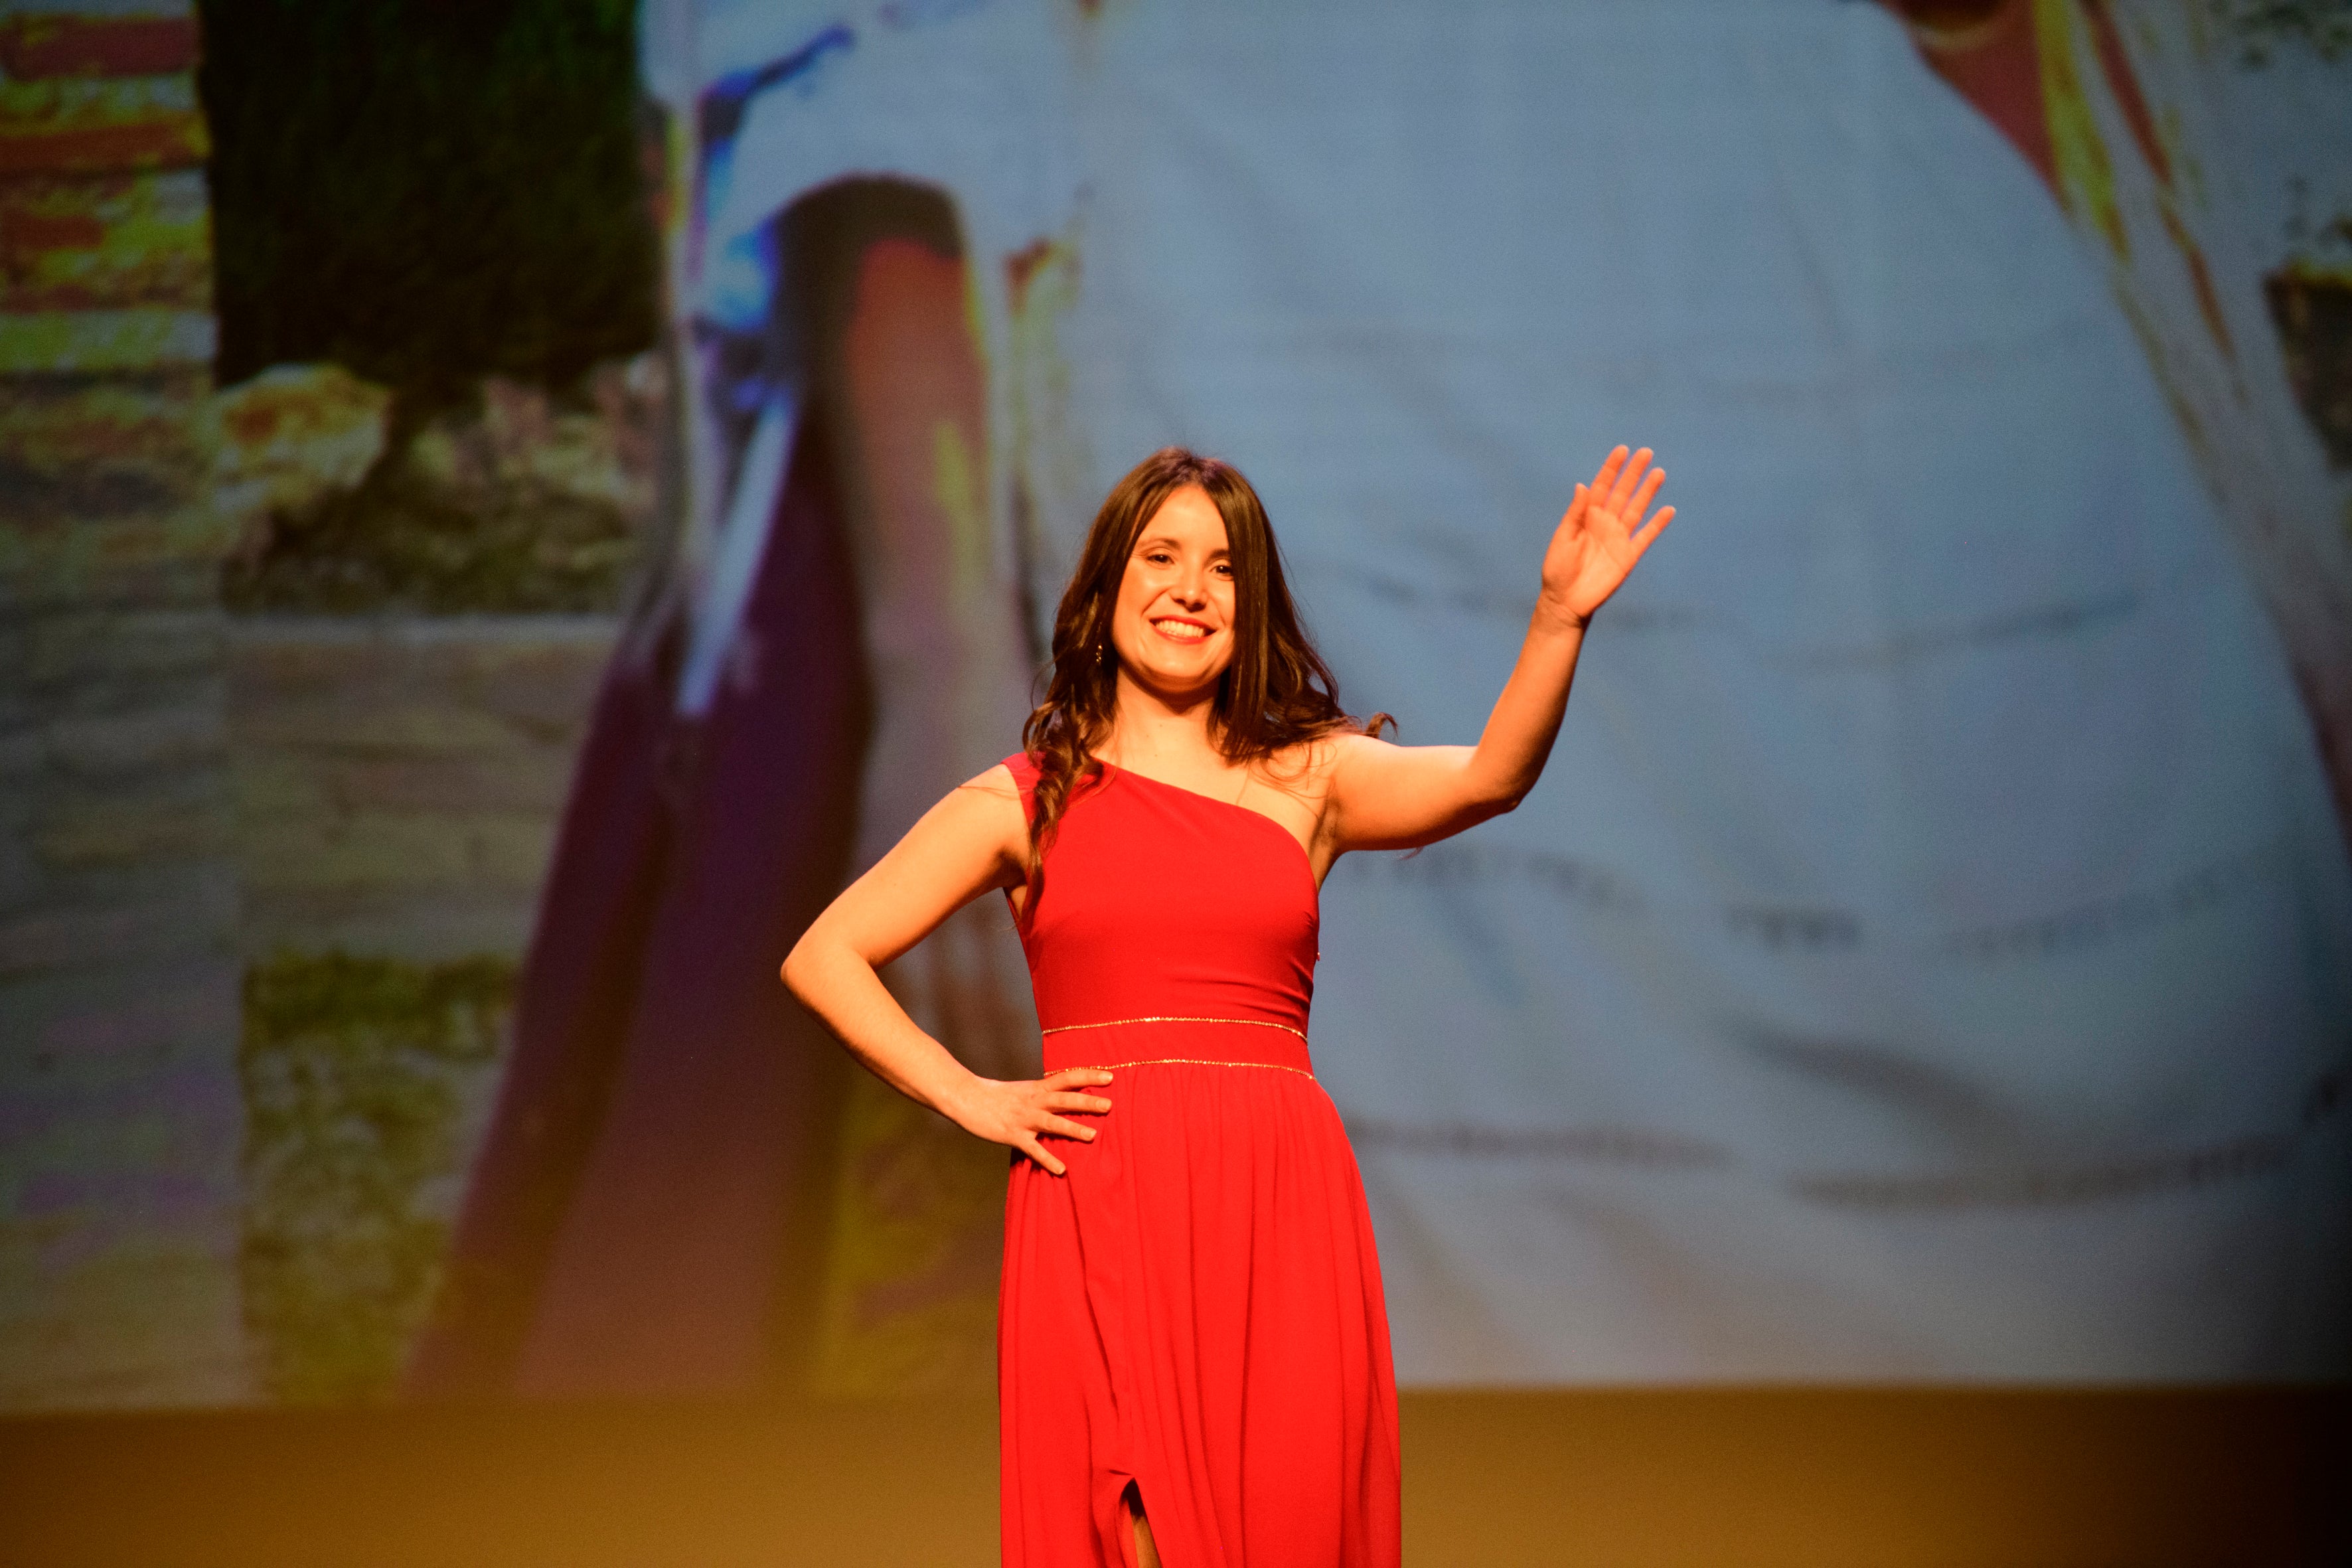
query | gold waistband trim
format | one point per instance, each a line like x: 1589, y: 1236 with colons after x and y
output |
x: 1189, y: 1061
x: 1162, y: 1018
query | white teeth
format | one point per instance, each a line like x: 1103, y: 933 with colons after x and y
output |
x: 1183, y: 630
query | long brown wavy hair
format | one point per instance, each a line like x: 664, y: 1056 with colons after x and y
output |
x: 1275, y: 693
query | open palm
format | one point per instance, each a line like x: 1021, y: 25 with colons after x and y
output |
x: 1603, y: 533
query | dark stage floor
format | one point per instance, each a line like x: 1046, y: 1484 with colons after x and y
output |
x: 1720, y: 1478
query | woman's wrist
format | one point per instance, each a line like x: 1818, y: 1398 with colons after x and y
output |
x: 1560, y: 617
x: 959, y: 1096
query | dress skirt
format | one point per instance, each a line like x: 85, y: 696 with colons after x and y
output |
x: 1196, y: 1311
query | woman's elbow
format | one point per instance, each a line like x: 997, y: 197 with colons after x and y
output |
x: 1501, y: 804
x: 1492, y: 792
x: 799, y: 967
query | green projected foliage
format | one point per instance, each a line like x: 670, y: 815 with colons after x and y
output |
x: 427, y: 190
x: 355, y: 1071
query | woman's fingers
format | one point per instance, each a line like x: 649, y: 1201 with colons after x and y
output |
x: 1607, y: 477
x: 1036, y: 1118
x: 1627, y: 478
x: 1651, y: 529
x: 1062, y: 1090
x: 1622, y: 490
x: 1647, y: 493
x: 1629, y: 495
x: 1027, y: 1144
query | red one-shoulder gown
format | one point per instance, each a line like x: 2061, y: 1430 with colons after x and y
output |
x: 1195, y: 1308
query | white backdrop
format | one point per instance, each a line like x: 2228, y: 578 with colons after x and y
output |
x: 1926, y: 956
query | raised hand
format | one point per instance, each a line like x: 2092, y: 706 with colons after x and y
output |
x: 1602, y: 534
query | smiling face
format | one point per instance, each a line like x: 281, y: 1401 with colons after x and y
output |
x: 1173, y: 623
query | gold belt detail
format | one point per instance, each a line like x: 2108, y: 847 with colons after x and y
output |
x: 1185, y: 1062
x: 1160, y: 1018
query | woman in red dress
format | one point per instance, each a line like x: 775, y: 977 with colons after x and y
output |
x: 1194, y: 1356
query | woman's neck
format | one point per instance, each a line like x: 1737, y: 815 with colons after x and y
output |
x: 1148, y: 727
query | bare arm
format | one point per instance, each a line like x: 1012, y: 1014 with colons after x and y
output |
x: 1399, y: 797
x: 967, y: 844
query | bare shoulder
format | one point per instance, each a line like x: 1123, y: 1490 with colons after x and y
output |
x: 1303, y: 771
x: 980, y: 819
x: 1354, y: 745
x: 991, y: 802
x: 997, y: 781
x: 1355, y: 754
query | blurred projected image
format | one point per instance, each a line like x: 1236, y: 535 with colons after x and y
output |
x: 507, y: 509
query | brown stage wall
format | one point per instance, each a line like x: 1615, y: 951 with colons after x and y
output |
x: 1751, y: 1478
